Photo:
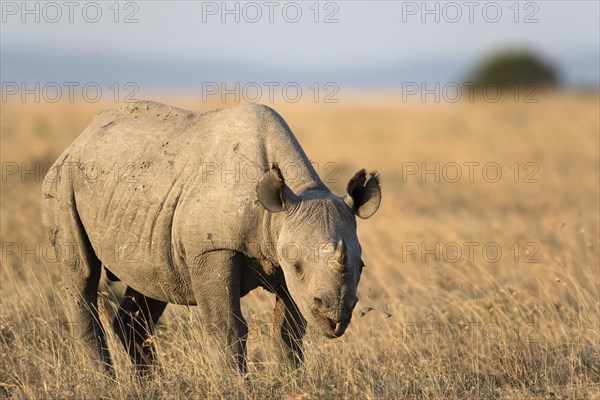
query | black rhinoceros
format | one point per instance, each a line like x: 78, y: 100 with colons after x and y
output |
x: 195, y: 208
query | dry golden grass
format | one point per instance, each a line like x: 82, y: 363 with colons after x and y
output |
x: 425, y: 326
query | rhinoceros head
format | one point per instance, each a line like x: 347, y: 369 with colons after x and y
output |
x: 317, y: 245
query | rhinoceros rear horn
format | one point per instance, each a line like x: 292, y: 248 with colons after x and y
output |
x: 270, y: 190
x: 338, y: 260
x: 364, y: 193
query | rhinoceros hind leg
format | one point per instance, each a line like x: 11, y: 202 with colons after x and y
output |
x: 134, y: 325
x: 81, y: 270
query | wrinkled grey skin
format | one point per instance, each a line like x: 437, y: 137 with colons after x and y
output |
x: 193, y: 208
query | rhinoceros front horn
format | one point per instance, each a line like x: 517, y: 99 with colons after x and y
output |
x: 338, y: 260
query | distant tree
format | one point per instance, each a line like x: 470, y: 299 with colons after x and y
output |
x: 516, y: 68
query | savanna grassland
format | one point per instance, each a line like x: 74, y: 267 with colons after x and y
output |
x: 476, y: 286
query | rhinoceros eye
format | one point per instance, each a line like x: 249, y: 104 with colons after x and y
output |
x: 298, y: 267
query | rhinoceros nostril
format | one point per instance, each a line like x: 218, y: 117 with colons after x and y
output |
x: 332, y: 324
x: 318, y: 302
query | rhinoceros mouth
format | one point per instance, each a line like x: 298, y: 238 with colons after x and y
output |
x: 330, y: 328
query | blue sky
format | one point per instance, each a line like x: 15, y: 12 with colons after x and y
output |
x: 377, y: 44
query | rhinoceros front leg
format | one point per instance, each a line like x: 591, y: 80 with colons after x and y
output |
x: 292, y: 327
x: 216, y: 282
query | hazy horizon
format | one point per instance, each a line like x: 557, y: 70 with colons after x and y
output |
x: 181, y: 45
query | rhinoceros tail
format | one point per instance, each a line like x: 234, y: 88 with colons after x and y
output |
x: 111, y: 277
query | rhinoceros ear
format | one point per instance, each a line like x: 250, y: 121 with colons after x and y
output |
x: 364, y: 193
x: 270, y: 190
